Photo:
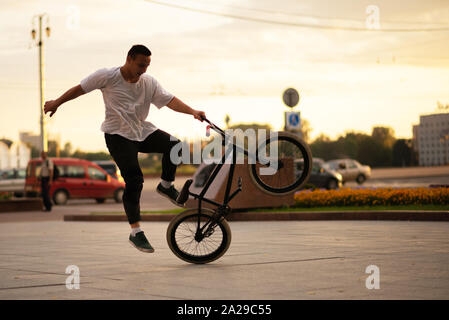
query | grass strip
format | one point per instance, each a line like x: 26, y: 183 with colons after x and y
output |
x: 171, y: 211
x: 429, y: 207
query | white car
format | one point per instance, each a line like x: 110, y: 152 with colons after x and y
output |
x: 350, y: 169
x: 13, y: 180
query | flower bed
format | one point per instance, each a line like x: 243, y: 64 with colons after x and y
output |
x: 5, y: 195
x: 372, y: 197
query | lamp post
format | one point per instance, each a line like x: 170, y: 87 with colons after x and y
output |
x: 40, y: 44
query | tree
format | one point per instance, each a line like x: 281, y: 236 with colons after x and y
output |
x: 7, y: 142
x: 35, y: 152
x: 373, y: 153
x: 305, y: 130
x: 227, y: 120
x: 67, y: 151
x: 442, y: 107
x: 384, y: 135
x: 374, y: 150
x: 91, y: 156
x: 322, y: 147
x: 53, y: 148
x: 402, y: 153
x: 348, y: 146
x: 344, y: 147
x: 255, y: 126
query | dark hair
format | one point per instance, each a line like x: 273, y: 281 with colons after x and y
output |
x: 138, y: 49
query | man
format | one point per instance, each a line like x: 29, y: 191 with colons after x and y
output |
x: 46, y: 176
x: 127, y: 94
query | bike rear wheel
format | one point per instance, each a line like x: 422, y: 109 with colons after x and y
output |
x: 187, y: 244
x: 289, y: 164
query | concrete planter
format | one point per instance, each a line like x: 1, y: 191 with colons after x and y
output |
x: 15, y: 205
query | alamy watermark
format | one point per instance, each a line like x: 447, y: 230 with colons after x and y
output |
x: 73, y: 17
x: 373, y: 18
x: 373, y: 281
x: 73, y: 280
x: 215, y: 152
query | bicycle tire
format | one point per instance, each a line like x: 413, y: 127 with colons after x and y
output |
x: 201, y: 257
x: 284, y: 187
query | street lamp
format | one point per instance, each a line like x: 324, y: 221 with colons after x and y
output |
x: 40, y: 44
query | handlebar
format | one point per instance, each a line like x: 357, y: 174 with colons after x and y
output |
x: 223, y: 134
x: 214, y: 127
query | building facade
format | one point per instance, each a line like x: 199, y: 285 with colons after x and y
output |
x: 15, y: 156
x: 431, y: 139
x: 31, y: 139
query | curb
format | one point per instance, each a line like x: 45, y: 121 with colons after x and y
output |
x: 388, y: 215
x: 21, y: 205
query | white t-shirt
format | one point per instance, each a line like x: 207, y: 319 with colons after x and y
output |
x: 127, y: 104
x: 46, y: 166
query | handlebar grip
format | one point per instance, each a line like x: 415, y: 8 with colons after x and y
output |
x: 213, y: 126
x: 207, y: 120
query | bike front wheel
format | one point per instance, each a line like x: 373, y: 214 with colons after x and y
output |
x: 195, y: 237
x: 284, y: 163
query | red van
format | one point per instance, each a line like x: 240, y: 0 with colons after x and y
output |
x: 75, y: 179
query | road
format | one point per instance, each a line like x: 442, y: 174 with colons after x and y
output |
x: 406, y: 177
x: 402, y: 182
x: 150, y: 200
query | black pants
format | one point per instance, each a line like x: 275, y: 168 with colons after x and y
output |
x: 124, y: 152
x: 45, y: 190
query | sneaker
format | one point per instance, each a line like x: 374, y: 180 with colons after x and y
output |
x: 140, y: 242
x: 170, y: 193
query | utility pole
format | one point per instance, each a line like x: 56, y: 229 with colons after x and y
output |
x: 40, y: 44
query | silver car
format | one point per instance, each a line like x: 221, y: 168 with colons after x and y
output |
x: 350, y: 169
x: 321, y: 176
x: 13, y: 180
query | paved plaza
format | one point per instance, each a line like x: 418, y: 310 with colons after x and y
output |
x: 266, y: 260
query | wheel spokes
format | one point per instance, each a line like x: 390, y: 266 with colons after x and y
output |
x: 187, y: 243
x: 283, y: 156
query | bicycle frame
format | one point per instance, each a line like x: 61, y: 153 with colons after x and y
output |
x: 228, y: 197
x: 222, y: 208
x: 211, y: 178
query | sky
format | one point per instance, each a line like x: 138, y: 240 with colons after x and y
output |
x: 232, y: 57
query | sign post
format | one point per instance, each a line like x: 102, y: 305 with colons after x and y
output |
x: 291, y: 97
x: 292, y: 119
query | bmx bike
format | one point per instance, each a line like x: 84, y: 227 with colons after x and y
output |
x: 202, y: 235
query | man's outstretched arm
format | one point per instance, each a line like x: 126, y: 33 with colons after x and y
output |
x: 179, y: 106
x: 53, y: 105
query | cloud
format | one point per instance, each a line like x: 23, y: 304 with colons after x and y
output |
x: 216, y: 61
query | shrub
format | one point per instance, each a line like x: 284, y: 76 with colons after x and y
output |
x: 5, y: 195
x: 372, y: 197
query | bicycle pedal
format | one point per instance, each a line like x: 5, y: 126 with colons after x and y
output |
x: 184, y: 194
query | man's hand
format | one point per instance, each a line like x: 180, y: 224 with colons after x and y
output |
x: 51, y: 106
x: 199, y: 115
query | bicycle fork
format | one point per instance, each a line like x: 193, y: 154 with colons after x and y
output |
x: 221, y: 212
